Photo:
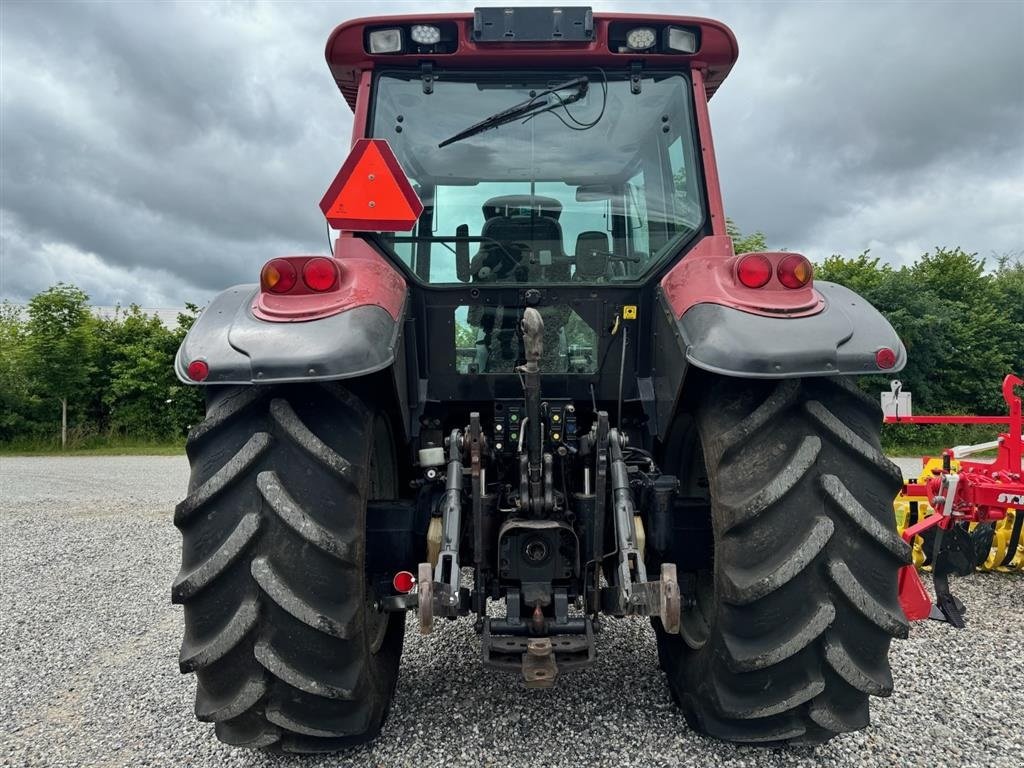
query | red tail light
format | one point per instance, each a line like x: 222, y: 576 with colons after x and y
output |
x: 198, y: 370
x: 320, y: 274
x: 403, y: 582
x: 278, y: 276
x: 795, y: 271
x: 885, y: 358
x: 754, y: 271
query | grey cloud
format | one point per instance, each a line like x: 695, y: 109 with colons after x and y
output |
x: 160, y: 152
x: 847, y: 126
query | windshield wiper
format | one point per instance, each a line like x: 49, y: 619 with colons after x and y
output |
x: 525, y: 109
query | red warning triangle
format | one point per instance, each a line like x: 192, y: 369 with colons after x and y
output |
x: 371, y: 192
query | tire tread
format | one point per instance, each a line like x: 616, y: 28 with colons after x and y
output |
x: 806, y: 557
x: 272, y: 571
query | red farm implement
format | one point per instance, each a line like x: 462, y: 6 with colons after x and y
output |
x: 961, y: 509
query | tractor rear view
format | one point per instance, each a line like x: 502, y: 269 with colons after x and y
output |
x: 533, y: 374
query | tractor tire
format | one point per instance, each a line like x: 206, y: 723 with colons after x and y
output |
x: 789, y: 631
x: 280, y: 626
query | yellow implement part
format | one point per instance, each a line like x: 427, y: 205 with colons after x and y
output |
x: 999, y: 557
x: 903, y: 512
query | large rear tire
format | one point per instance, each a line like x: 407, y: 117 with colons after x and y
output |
x: 791, y: 626
x: 280, y: 626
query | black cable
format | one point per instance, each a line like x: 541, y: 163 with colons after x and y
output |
x: 607, y: 350
x: 632, y: 452
x: 580, y: 125
x: 330, y: 245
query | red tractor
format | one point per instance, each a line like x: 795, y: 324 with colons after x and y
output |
x: 534, y: 386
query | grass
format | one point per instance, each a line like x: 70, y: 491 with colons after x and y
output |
x: 95, y: 446
x: 932, y: 440
x: 914, y: 450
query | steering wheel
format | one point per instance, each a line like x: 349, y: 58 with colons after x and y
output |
x: 499, y: 262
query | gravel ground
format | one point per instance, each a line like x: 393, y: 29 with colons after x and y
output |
x: 910, y: 467
x: 88, y: 662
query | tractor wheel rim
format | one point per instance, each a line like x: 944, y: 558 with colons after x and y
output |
x: 694, y: 624
x: 376, y: 621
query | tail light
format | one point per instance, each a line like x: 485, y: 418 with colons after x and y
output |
x: 320, y: 274
x: 754, y: 271
x: 278, y: 276
x: 795, y: 271
x: 300, y: 275
x: 403, y: 582
x: 885, y: 358
x: 198, y: 370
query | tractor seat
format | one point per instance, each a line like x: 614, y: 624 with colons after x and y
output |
x: 543, y: 234
x: 500, y: 252
x: 509, y: 238
x: 592, y: 248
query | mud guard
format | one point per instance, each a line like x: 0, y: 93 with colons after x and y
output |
x: 240, y: 348
x: 842, y: 339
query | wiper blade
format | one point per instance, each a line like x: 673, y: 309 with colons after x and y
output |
x: 524, y: 109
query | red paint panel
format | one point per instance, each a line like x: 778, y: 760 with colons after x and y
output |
x: 915, y: 602
x: 361, y: 106
x: 707, y: 275
x: 707, y: 153
x: 366, y: 279
x: 348, y: 60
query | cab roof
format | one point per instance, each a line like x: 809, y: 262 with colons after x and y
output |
x: 347, y: 54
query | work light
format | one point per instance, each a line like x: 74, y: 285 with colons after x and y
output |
x: 386, y: 41
x: 425, y: 34
x: 681, y: 40
x: 641, y: 38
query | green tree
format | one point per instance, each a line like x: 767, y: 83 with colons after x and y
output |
x: 1008, y: 295
x: 980, y: 333
x: 58, y: 348
x: 139, y: 353
x: 745, y: 243
x: 187, y: 404
x: 16, y: 401
x: 140, y: 394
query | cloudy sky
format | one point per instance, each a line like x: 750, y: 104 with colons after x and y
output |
x: 157, y: 153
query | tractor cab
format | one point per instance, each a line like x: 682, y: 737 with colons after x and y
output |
x: 558, y: 165
x: 606, y: 166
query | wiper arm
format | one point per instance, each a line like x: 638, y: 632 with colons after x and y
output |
x: 524, y: 109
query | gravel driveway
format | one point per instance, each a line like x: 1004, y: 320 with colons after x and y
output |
x: 89, y: 644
